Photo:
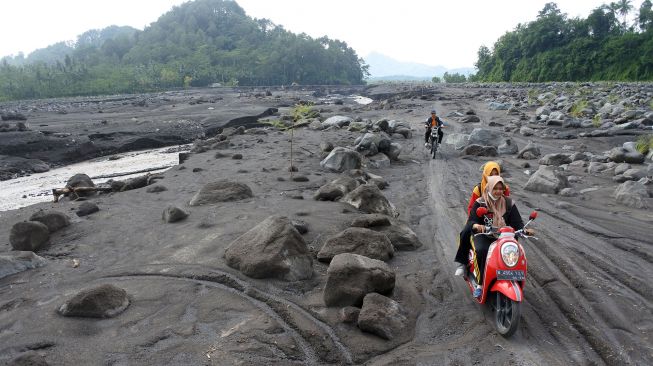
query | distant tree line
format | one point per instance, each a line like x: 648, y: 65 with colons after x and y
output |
x: 196, y: 44
x: 554, y: 48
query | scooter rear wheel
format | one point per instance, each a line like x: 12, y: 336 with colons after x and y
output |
x: 507, y: 313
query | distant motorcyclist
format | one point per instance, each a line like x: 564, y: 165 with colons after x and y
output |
x: 431, y: 122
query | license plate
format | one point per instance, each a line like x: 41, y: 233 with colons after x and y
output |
x: 510, y: 275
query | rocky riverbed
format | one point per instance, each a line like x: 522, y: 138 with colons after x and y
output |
x: 333, y: 245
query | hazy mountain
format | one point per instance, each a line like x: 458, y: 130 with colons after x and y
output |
x: 387, y: 68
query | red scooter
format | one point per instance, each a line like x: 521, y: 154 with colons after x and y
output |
x: 505, y: 275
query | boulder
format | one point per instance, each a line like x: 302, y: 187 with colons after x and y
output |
x: 393, y: 151
x: 156, y: 189
x: 547, y: 179
x: 221, y: 191
x: 526, y: 131
x: 341, y: 159
x: 349, y: 314
x: 357, y: 240
x: 29, y: 236
x: 634, y: 174
x: 104, y: 301
x: 556, y: 159
x: 401, y: 235
x: 508, y: 147
x: 485, y: 137
x: 499, y: 106
x: 458, y: 140
x: 470, y: 119
x: 621, y: 155
x: 272, y: 249
x: 174, y: 214
x: 54, y: 220
x: 632, y: 194
x: 369, y: 199
x: 19, y: 261
x: 379, y: 161
x: 382, y: 316
x: 326, y: 146
x: 371, y: 220
x: 337, y: 121
x: 478, y: 150
x: 80, y: 180
x: 87, y: 208
x: 351, y: 276
x: 336, y: 189
x: 529, y: 152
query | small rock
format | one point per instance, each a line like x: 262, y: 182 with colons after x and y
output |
x: 87, y: 208
x: 104, y: 301
x: 173, y: 214
x: 29, y: 236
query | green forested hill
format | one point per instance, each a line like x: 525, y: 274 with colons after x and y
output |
x: 604, y: 46
x: 196, y: 44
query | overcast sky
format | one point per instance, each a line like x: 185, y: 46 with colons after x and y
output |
x: 446, y: 33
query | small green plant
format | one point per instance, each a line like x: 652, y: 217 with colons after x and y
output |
x: 577, y: 109
x: 613, y: 98
x: 644, y: 144
x: 650, y: 104
x: 532, y: 96
x: 275, y: 123
x: 596, y: 120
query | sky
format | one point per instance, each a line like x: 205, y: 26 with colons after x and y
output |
x: 438, y: 33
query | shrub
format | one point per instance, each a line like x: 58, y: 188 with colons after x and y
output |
x: 578, y: 108
x: 596, y: 120
x: 644, y: 144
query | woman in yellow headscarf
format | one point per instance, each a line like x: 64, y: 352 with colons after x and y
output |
x: 489, y: 169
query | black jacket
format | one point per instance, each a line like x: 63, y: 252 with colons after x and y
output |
x: 511, y: 217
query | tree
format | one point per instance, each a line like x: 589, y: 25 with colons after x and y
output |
x: 645, y: 17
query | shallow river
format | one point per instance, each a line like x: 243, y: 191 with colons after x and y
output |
x: 24, y: 191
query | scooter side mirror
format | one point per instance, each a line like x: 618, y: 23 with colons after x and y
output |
x: 481, y: 211
x: 533, y: 215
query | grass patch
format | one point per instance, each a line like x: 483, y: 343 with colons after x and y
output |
x: 578, y: 108
x: 275, y: 123
x: 644, y: 144
x: 596, y: 120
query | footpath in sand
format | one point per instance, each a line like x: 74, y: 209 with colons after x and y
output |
x: 199, y: 293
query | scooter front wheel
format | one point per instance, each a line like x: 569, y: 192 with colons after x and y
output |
x: 506, y: 315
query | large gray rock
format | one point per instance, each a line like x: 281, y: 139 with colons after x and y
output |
x: 458, y: 140
x: 351, y: 276
x: 29, y: 236
x: 526, y: 131
x: 80, y: 180
x: 221, y: 191
x: 382, y: 316
x: 393, y: 151
x: 508, y: 147
x: 379, y: 161
x: 54, y: 220
x: 485, y: 137
x: 632, y: 194
x: 529, y: 152
x: 173, y: 214
x: 341, y: 159
x: 547, y: 179
x: 336, y: 189
x: 104, y: 301
x: 272, y: 249
x: 621, y: 155
x: 556, y: 159
x: 478, y: 150
x: 369, y: 199
x: 371, y: 220
x: 337, y: 121
x: 359, y: 241
x: 400, y: 234
x: 19, y: 261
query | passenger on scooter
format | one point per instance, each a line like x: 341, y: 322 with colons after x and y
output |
x: 489, y: 169
x: 431, y: 122
x: 502, y: 212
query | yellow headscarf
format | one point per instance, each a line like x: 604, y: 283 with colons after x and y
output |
x: 487, y: 169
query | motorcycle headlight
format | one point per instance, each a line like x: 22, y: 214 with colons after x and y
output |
x: 510, y: 254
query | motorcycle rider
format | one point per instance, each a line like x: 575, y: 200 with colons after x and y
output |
x: 502, y: 211
x: 431, y: 122
x: 489, y: 169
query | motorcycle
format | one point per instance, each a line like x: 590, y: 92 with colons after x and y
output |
x: 505, y: 274
x: 434, y: 140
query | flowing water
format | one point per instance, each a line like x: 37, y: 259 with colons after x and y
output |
x: 25, y: 191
